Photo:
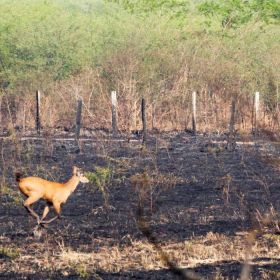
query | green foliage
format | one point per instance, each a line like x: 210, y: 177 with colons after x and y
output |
x: 10, y: 253
x: 82, y: 271
x: 41, y: 41
x: 158, y: 46
x: 172, y: 7
x: 101, y: 178
x: 233, y: 13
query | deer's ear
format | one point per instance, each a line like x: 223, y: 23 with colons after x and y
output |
x: 75, y: 169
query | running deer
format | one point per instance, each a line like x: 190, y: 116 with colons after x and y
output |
x: 54, y: 193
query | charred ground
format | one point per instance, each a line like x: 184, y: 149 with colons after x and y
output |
x: 200, y: 201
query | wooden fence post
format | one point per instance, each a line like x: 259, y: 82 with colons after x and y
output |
x: 1, y: 116
x: 194, y: 112
x: 231, y: 140
x: 114, y: 113
x: 256, y: 112
x: 153, y: 115
x: 143, y: 111
x: 38, y: 112
x: 78, y: 118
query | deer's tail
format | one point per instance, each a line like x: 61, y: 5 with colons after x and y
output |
x: 18, y: 176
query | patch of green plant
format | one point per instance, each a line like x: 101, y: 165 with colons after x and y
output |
x: 101, y: 178
x: 82, y: 271
x: 271, y: 236
x: 10, y: 253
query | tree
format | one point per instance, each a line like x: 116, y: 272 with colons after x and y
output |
x: 233, y: 13
x: 173, y: 7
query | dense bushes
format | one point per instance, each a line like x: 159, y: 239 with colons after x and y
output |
x: 162, y: 50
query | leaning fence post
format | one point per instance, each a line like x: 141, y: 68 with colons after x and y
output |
x: 114, y: 113
x: 78, y: 118
x: 194, y: 112
x: 143, y: 111
x: 38, y: 111
x: 256, y: 111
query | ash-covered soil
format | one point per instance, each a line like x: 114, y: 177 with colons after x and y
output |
x: 201, y: 200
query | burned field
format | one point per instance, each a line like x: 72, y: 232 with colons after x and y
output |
x: 197, y: 199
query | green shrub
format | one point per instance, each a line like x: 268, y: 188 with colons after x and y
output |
x: 101, y: 178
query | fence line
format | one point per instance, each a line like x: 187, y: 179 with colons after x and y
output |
x: 169, y: 113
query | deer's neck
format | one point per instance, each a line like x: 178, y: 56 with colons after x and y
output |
x: 72, y: 183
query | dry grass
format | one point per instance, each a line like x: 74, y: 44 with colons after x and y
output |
x: 211, y: 249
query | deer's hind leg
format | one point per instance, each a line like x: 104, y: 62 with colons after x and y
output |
x: 28, y: 202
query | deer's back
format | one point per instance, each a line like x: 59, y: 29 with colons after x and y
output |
x: 40, y: 187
